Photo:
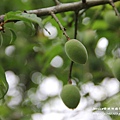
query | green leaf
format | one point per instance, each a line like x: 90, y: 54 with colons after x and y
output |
x: 13, y: 36
x: 3, y: 83
x: 18, y: 15
x: 100, y: 24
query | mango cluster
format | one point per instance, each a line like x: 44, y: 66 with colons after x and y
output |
x: 76, y: 51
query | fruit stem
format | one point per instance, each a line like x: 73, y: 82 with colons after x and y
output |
x: 76, y: 23
x: 70, y: 72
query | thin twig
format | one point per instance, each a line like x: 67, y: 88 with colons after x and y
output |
x: 57, y: 2
x: 76, y: 23
x: 70, y: 72
x: 82, y: 11
x: 60, y: 25
x: 47, y: 31
x: 114, y: 7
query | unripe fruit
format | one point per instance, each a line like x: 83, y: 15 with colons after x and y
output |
x: 76, y: 51
x: 116, y: 69
x: 70, y: 96
x: 111, y: 18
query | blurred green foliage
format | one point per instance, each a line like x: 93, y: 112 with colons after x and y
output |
x: 33, y: 51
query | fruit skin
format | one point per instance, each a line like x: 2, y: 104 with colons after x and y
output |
x: 76, y: 51
x: 70, y: 96
x: 116, y: 68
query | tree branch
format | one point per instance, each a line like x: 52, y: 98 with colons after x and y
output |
x: 65, y: 7
x: 69, y: 7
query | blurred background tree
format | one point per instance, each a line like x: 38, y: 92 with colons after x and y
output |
x: 37, y: 67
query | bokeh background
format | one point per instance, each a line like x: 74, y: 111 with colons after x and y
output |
x: 37, y: 67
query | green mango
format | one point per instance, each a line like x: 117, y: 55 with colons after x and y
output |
x: 76, y: 51
x: 70, y: 96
